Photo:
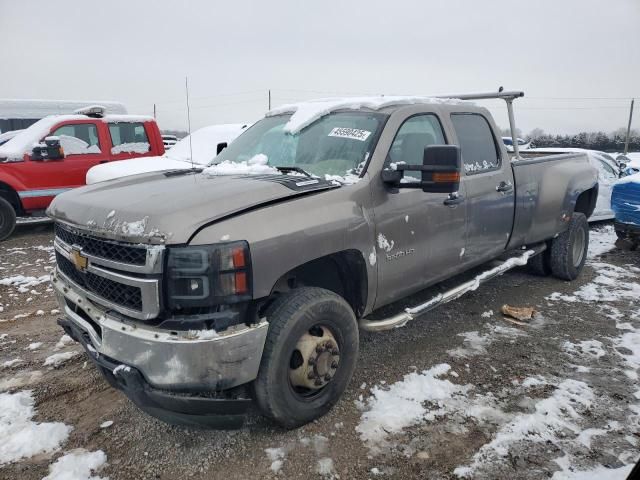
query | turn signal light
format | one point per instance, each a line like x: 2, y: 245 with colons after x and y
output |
x: 446, y: 177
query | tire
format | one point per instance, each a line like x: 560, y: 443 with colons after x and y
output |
x: 7, y: 219
x: 569, y: 249
x: 621, y: 235
x: 540, y: 265
x: 305, y: 313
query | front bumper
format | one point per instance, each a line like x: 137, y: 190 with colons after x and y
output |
x: 172, y: 369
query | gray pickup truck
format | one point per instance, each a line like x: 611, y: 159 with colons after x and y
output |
x: 199, y: 293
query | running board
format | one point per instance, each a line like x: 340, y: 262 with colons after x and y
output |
x: 401, y: 319
x: 32, y: 220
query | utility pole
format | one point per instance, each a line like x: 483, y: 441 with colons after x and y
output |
x: 269, y: 99
x: 626, y: 143
x: 154, y: 110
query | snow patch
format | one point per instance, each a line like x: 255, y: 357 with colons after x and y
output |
x: 58, y: 359
x: 21, y: 437
x: 401, y: 405
x: 78, y: 464
x: 256, y: 165
x: 277, y: 457
x: 306, y: 113
x: 385, y: 244
x: 551, y: 416
x: 372, y: 257
x: 131, y: 147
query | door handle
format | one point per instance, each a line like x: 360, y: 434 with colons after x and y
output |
x: 453, y: 200
x: 504, y: 187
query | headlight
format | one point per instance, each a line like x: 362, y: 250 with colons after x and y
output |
x: 207, y: 275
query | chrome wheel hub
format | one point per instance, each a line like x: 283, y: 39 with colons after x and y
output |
x: 315, y: 360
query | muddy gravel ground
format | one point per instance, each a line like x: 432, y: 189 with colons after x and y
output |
x: 459, y: 392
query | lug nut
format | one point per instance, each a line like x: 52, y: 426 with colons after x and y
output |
x: 335, y: 352
x: 318, y: 382
x: 310, y: 375
x: 319, y: 349
x: 311, y: 361
x: 327, y: 377
x: 334, y: 364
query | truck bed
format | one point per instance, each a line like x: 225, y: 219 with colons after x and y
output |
x: 546, y: 190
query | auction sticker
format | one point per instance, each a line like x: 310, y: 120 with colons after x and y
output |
x: 352, y: 133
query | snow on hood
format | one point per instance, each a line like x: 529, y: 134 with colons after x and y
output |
x: 305, y: 113
x: 25, y: 140
x: 256, y: 165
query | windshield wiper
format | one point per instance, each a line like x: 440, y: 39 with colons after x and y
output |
x: 284, y: 169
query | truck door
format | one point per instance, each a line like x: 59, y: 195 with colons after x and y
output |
x: 46, y: 179
x: 419, y: 238
x: 489, y: 191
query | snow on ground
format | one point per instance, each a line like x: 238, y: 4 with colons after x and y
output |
x: 547, y: 423
x: 586, y: 347
x: 78, y: 464
x: 58, y: 359
x: 476, y: 343
x: 276, y: 456
x: 391, y: 409
x: 21, y: 436
x: 569, y: 472
x: 601, y: 240
x: 24, y: 284
x: 555, y: 410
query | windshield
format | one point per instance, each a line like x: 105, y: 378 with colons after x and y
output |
x: 337, y: 144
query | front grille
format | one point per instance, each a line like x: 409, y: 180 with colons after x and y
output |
x: 114, y: 251
x: 124, y: 295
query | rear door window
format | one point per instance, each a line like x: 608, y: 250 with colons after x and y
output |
x: 78, y: 139
x: 477, y: 144
x: 128, y: 138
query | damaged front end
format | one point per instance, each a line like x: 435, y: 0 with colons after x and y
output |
x: 143, y: 313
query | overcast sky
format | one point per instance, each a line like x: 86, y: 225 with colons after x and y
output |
x: 578, y: 61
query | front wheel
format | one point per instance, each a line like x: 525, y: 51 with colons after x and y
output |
x: 7, y: 219
x: 569, y: 249
x: 309, y: 356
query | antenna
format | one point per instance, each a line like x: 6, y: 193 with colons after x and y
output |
x: 186, y: 86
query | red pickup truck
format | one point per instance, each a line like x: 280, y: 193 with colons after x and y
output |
x: 54, y: 154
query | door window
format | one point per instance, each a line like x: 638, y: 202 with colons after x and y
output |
x: 477, y: 144
x: 78, y: 139
x: 605, y: 170
x: 128, y: 138
x: 415, y: 134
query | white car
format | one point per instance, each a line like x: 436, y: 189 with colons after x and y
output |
x: 608, y: 174
x: 204, y: 143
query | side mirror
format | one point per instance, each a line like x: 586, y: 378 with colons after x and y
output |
x: 221, y: 146
x: 441, y: 166
x: 49, y: 150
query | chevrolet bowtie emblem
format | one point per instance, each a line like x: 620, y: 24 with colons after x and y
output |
x: 78, y: 260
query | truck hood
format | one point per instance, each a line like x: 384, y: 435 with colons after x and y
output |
x: 169, y: 207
